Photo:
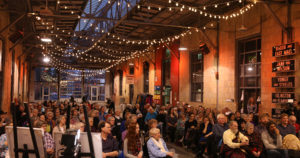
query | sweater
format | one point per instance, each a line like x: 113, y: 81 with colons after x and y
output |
x: 269, y: 141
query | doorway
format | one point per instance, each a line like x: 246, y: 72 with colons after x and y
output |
x: 46, y: 92
x: 131, y: 93
x: 94, y: 93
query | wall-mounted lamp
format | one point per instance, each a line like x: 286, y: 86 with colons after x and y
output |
x: 203, y: 48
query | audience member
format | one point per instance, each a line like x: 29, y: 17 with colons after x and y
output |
x: 272, y: 141
x: 284, y: 127
x: 151, y: 114
x: 109, y: 144
x: 156, y: 145
x: 61, y: 125
x: 133, y: 142
x: 255, y: 143
x: 205, y: 131
x: 293, y: 122
x: 171, y: 124
x: 263, y: 121
x: 190, y: 131
x: 48, y: 141
x: 180, y: 127
x: 234, y: 141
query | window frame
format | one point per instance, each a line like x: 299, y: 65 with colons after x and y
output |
x: 193, y: 65
x: 120, y: 82
x: 146, y: 65
x: 248, y: 84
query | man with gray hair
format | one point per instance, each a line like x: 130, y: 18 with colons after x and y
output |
x: 220, y: 127
x: 218, y: 130
x: 233, y: 141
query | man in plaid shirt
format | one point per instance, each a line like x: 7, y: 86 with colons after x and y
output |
x: 49, y: 144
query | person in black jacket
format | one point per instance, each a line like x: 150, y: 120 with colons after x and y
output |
x: 190, y: 130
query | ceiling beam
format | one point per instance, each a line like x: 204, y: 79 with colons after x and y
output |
x: 12, y: 23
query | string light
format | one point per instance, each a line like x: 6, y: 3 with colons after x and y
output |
x: 215, y: 16
x: 58, y: 64
x: 154, y: 41
x: 146, y: 42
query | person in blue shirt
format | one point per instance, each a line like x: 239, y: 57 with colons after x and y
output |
x: 151, y: 114
x: 156, y: 145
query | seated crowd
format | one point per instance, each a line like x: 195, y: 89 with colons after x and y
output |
x: 142, y: 131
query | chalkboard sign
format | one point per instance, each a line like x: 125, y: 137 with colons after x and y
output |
x: 276, y: 113
x: 283, y: 82
x: 283, y: 66
x: 284, y: 50
x: 283, y: 97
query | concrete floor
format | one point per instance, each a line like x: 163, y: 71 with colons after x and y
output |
x: 180, y: 151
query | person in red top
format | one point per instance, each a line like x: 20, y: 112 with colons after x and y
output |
x: 292, y: 121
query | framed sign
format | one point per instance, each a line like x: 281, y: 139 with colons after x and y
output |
x: 283, y: 82
x: 284, y: 50
x: 283, y: 66
x: 283, y: 98
x: 276, y: 113
x: 129, y: 79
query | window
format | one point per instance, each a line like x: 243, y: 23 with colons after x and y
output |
x: 120, y: 82
x: 249, y: 52
x: 70, y: 85
x: 45, y: 83
x: 131, y: 70
x: 196, y: 67
x: 146, y: 77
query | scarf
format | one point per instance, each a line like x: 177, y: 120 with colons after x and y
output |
x: 159, y: 144
x: 135, y: 150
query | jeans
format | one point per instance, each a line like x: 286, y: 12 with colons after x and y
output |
x: 277, y: 153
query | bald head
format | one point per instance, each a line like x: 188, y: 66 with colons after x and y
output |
x: 292, y: 119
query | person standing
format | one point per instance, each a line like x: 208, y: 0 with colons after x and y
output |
x: 251, y: 106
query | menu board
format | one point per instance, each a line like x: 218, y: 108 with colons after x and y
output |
x: 284, y: 50
x: 283, y: 82
x: 283, y: 66
x: 283, y: 97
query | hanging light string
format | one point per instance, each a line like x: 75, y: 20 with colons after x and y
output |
x: 59, y: 64
x: 155, y: 41
x: 78, y: 56
x: 147, y: 42
x: 62, y: 66
x: 107, y: 50
x: 202, y: 10
x: 91, y: 58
